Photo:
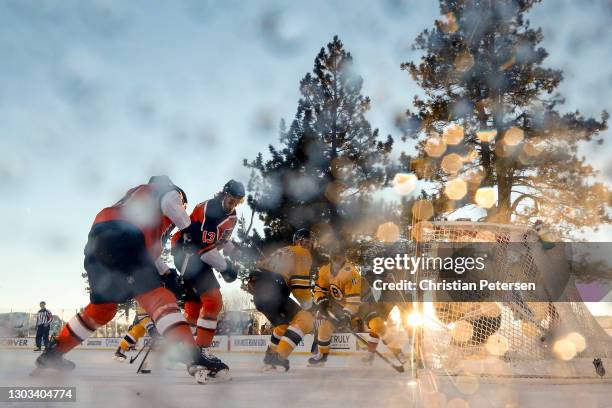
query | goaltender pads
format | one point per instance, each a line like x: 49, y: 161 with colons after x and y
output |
x: 508, y: 336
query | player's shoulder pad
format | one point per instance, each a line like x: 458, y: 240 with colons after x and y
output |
x: 163, y: 189
x: 324, y: 269
x: 214, y: 208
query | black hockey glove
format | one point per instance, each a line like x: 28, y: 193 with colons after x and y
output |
x: 188, y: 242
x: 230, y: 273
x: 322, y: 307
x: 172, y: 282
x: 341, y: 318
x: 152, y: 331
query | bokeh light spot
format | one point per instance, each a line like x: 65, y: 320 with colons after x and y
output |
x: 513, y: 136
x: 404, y: 183
x: 452, y: 163
x: 485, y: 197
x: 453, y: 134
x: 486, y: 136
x: 578, y: 341
x: 497, y: 345
x: 422, y: 210
x: 456, y: 189
x: 388, y: 232
x: 435, y: 146
x: 564, y: 349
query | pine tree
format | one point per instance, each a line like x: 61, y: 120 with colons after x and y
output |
x: 249, y: 244
x: 329, y: 159
x: 489, y: 123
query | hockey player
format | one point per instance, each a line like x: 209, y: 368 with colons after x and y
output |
x: 375, y: 316
x: 142, y: 321
x: 337, y: 294
x: 375, y: 313
x: 286, y: 271
x: 197, y: 252
x: 142, y: 325
x: 122, y: 262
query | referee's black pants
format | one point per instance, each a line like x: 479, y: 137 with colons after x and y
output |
x: 42, y: 335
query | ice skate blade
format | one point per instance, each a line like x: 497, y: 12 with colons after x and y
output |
x: 316, y: 365
x: 119, y: 359
x: 203, y: 377
x: 274, y: 369
x: 268, y: 368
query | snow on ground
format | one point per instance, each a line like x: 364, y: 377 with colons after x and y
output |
x: 344, y: 382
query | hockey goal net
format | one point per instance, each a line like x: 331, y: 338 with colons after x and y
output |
x: 509, y: 336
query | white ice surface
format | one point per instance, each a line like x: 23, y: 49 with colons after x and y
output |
x: 344, y: 382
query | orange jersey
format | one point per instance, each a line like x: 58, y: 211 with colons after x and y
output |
x: 141, y: 206
x: 210, y: 225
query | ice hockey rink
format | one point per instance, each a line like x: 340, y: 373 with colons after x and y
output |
x: 344, y: 381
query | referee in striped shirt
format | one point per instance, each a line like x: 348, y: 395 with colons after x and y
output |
x: 43, y: 324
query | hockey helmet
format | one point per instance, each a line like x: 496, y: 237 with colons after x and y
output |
x: 234, y: 188
x: 163, y: 179
x: 302, y: 233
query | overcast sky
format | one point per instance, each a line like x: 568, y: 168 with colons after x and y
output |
x: 97, y: 96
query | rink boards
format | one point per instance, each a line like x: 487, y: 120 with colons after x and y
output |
x: 340, y: 343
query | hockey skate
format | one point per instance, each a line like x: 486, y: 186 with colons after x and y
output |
x: 368, y: 359
x: 208, y: 354
x: 268, y: 360
x: 207, y: 368
x: 53, y: 360
x: 401, y: 357
x: 317, y: 361
x: 272, y: 360
x: 119, y: 356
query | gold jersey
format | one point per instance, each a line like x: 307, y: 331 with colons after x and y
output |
x: 293, y: 263
x: 343, y: 287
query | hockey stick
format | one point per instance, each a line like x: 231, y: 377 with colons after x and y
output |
x: 132, y: 359
x: 144, y: 358
x: 398, y: 368
x: 314, y: 347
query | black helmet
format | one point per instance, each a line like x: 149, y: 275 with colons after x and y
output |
x: 234, y: 188
x: 160, y: 180
x: 302, y: 233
